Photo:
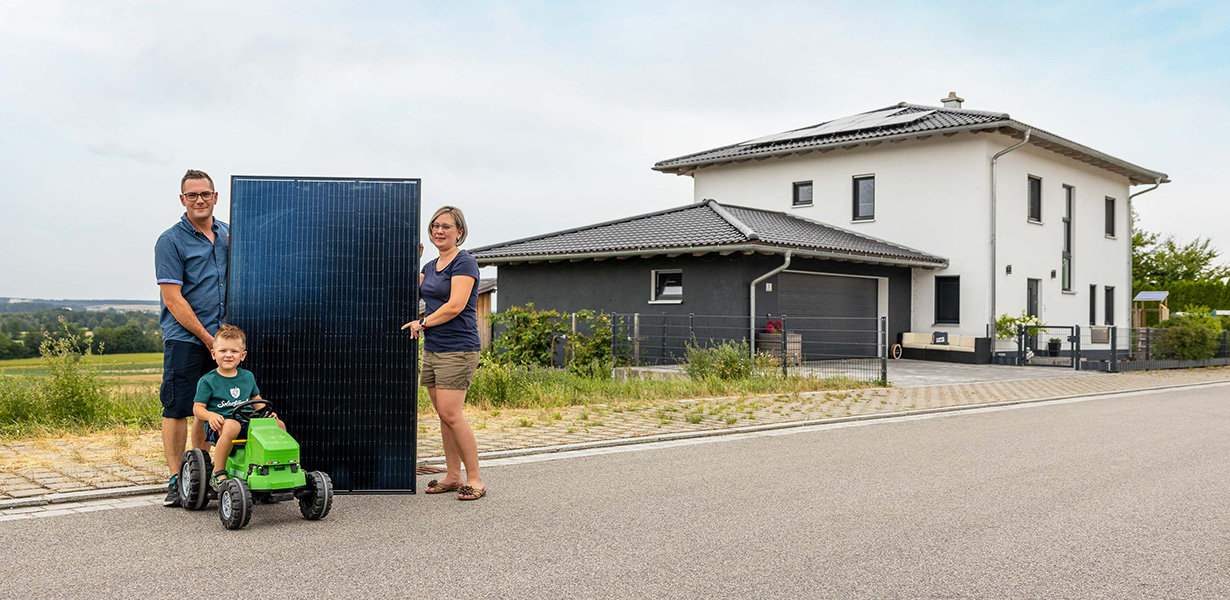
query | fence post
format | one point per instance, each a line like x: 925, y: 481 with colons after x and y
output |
x: 1148, y: 343
x: 574, y: 323
x: 883, y: 350
x: 1225, y: 344
x: 1076, y: 347
x: 785, y: 354
x: 1114, y: 349
x: 636, y: 339
x: 663, y: 339
x: 692, y: 326
x: 1020, y: 345
x: 615, y: 342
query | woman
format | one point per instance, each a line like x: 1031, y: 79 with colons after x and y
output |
x: 449, y: 288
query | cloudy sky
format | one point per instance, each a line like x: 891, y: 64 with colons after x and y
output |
x: 536, y: 116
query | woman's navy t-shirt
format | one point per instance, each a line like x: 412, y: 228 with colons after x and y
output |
x: 459, y: 334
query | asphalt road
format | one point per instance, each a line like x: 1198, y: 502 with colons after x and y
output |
x: 1122, y: 497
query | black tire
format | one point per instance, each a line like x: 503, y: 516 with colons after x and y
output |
x: 234, y: 503
x: 194, y: 479
x: 317, y: 504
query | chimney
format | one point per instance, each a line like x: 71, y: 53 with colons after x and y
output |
x: 952, y: 101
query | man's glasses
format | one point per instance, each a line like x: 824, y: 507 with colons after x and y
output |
x: 192, y: 196
x: 442, y: 226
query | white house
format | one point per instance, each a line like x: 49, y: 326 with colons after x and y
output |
x: 1027, y: 220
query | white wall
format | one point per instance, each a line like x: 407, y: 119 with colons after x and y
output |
x: 931, y: 195
x: 1035, y: 250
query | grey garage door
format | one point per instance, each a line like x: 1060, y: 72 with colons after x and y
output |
x: 835, y: 315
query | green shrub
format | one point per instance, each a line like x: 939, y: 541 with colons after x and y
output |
x: 589, y: 347
x: 496, y: 383
x: 1195, y: 335
x: 527, y: 335
x: 727, y: 360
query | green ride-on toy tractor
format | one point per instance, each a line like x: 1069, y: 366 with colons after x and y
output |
x: 263, y: 467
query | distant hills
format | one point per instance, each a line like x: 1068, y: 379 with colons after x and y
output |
x: 17, y: 305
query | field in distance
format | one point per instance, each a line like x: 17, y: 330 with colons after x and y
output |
x: 120, y: 368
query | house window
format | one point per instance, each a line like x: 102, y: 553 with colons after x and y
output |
x: 802, y: 193
x: 1110, y: 216
x: 864, y: 198
x: 1035, y: 199
x: 667, y: 286
x: 1093, y: 305
x: 947, y: 299
x: 1110, y: 305
x: 1069, y: 203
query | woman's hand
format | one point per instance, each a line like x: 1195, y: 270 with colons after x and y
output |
x: 414, y: 326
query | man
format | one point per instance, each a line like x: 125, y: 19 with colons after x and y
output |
x: 191, y: 261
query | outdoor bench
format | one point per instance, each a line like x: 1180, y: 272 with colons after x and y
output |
x: 959, y: 349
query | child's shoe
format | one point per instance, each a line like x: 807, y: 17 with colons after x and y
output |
x: 215, y: 482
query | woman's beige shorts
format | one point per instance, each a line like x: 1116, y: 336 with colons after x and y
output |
x: 448, y: 370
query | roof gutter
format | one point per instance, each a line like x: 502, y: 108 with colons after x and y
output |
x: 751, y: 312
x: 1131, y: 261
x: 994, y: 264
x: 761, y: 248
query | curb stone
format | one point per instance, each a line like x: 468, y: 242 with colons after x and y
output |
x: 119, y: 492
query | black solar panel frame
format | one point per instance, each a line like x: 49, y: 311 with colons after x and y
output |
x: 361, y: 426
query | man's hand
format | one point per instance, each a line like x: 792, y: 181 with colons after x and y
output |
x: 209, y: 341
x: 216, y: 421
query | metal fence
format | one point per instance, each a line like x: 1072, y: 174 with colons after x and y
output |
x: 1121, y: 349
x: 854, y: 348
x: 1109, y: 349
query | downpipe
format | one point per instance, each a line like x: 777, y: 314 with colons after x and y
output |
x: 994, y: 222
x: 1131, y: 261
x: 751, y: 321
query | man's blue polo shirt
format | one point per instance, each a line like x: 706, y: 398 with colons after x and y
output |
x: 186, y: 257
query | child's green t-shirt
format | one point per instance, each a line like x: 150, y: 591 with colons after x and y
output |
x: 221, y: 394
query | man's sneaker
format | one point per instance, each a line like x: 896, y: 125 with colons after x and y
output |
x: 215, y: 481
x: 172, y: 498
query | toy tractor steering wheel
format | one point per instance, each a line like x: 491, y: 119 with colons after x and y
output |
x: 246, y: 411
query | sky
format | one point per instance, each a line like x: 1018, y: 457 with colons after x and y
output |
x: 540, y: 116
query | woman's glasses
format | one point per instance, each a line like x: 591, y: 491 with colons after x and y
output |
x: 442, y: 226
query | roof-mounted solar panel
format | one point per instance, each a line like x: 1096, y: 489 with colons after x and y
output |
x: 870, y: 120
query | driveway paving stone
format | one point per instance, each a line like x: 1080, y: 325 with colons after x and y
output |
x: 36, y: 468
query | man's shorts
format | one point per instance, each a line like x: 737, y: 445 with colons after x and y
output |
x: 183, y: 364
x: 448, y: 370
x: 211, y: 436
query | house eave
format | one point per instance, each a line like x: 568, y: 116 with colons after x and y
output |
x: 700, y: 250
x: 1136, y: 174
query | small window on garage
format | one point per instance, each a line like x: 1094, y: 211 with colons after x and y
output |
x: 802, y: 193
x: 667, y: 286
x: 948, y: 299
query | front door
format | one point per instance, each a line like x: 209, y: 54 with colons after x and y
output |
x: 1031, y: 309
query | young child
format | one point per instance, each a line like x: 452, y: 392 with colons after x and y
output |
x: 219, y: 391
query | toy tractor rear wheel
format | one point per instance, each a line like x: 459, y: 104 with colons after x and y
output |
x: 316, y: 505
x: 234, y: 503
x: 194, y: 474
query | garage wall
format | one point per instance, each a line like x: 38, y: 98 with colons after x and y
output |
x: 713, y: 285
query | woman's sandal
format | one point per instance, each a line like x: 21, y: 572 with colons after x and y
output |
x: 435, y: 487
x: 469, y: 490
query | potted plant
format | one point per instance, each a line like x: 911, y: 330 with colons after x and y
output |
x: 1053, y: 346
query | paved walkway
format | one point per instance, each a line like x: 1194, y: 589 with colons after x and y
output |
x: 33, y: 470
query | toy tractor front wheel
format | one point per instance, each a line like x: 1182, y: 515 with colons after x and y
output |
x: 194, y: 474
x: 316, y: 503
x: 234, y: 503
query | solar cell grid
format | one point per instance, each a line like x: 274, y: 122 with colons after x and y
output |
x: 323, y: 275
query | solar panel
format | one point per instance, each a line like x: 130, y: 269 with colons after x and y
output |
x: 1151, y: 296
x: 879, y: 118
x: 322, y: 276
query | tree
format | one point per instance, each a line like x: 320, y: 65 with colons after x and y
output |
x: 1156, y: 264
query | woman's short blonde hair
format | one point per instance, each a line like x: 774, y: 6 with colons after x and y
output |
x: 458, y: 218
